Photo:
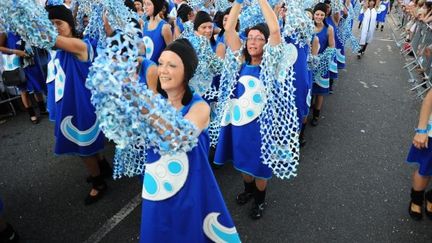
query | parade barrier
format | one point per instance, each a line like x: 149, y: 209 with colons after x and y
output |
x: 7, y: 95
x: 414, y: 37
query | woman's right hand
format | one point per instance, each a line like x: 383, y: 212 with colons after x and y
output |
x: 420, y: 141
x: 20, y: 53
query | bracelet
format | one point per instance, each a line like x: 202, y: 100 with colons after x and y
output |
x: 239, y: 1
x: 421, y: 131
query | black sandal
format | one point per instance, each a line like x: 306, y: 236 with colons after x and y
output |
x: 417, y: 198
x: 33, y: 118
x: 259, y: 204
x: 245, y: 196
x: 99, y: 185
x: 9, y: 235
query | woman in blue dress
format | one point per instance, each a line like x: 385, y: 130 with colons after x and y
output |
x: 77, y: 130
x: 325, y: 35
x: 240, y: 139
x: 184, y: 203
x: 382, y: 11
x: 421, y: 153
x: 13, y: 54
x: 157, y: 32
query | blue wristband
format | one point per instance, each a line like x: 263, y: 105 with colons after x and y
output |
x: 421, y: 131
x: 239, y: 1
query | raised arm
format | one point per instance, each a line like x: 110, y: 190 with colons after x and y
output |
x: 231, y: 36
x: 272, y: 22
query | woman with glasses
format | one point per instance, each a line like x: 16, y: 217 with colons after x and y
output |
x: 240, y: 138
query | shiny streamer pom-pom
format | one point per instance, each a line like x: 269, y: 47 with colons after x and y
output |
x: 345, y: 34
x: 209, y: 65
x: 228, y: 81
x: 325, y: 59
x: 30, y: 21
x: 298, y: 25
x: 129, y: 113
x: 279, y: 126
x: 222, y: 5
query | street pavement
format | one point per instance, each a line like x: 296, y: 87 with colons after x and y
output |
x: 352, y: 183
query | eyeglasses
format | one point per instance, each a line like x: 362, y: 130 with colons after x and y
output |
x: 255, y: 38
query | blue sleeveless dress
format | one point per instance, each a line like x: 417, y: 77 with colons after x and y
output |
x: 302, y: 82
x: 146, y: 63
x: 35, y: 74
x: 50, y: 82
x: 154, y: 41
x: 76, y: 127
x: 382, y: 11
x: 321, y: 87
x: 181, y: 199
x: 339, y: 62
x: 423, y: 157
x: 240, y: 138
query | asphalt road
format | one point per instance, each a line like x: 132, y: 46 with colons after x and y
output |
x: 352, y: 183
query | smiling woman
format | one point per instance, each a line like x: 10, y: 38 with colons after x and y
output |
x: 179, y: 190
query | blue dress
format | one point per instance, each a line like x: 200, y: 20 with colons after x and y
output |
x: 423, y: 157
x: 382, y: 11
x: 240, y: 138
x: 154, y: 41
x: 35, y: 74
x: 302, y: 82
x: 181, y: 199
x: 321, y: 84
x: 339, y: 62
x: 146, y: 63
x: 50, y: 82
x: 76, y: 127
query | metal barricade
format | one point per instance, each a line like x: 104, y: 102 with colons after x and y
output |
x: 417, y: 50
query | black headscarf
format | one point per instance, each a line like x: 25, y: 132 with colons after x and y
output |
x: 62, y: 13
x: 183, y: 48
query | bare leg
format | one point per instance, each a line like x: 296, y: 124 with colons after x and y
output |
x: 319, y: 102
x: 419, y: 183
x: 261, y: 184
x: 25, y: 98
x: 92, y: 165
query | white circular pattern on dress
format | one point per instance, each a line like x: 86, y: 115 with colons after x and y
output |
x: 294, y: 54
x: 381, y: 8
x: 149, y: 46
x: 248, y: 106
x: 165, y: 177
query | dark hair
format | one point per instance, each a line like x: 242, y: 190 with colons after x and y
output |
x: 263, y: 28
x: 323, y: 8
x: 157, y: 7
x: 130, y: 5
x: 183, y: 12
x: 165, y: 14
x: 227, y: 11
